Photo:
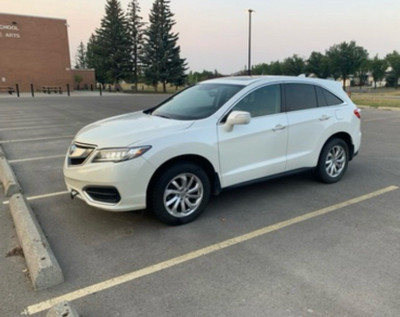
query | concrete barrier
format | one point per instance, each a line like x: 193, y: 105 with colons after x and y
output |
x: 43, y: 266
x: 8, y: 179
x: 63, y: 309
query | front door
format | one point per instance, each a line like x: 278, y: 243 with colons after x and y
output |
x: 257, y: 149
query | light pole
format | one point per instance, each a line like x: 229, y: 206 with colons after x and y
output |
x: 249, y: 57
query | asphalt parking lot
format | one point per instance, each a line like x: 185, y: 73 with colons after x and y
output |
x: 287, y: 247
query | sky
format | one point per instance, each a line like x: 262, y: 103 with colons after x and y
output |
x: 213, y: 34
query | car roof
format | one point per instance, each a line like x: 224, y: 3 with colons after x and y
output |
x: 242, y: 80
x: 250, y: 80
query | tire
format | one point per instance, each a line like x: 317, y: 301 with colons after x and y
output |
x: 333, y: 161
x: 180, y: 194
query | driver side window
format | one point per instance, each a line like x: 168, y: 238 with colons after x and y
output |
x: 263, y: 101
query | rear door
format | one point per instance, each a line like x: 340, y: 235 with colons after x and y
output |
x: 310, y: 124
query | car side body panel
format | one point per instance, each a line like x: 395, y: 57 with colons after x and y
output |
x: 253, y: 151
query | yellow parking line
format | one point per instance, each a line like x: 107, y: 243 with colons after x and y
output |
x: 95, y: 288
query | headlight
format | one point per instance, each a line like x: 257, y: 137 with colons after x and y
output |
x: 119, y: 154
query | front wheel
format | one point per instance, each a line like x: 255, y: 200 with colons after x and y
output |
x: 333, y: 161
x: 180, y: 194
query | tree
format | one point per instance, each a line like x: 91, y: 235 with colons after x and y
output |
x: 260, y: 69
x: 110, y: 46
x: 80, y: 57
x: 362, y: 72
x: 294, y: 65
x: 275, y: 68
x: 378, y: 69
x: 318, y: 65
x: 194, y: 77
x: 78, y: 79
x: 161, y: 54
x: 135, y: 29
x: 393, y: 60
x: 94, y: 58
x: 346, y: 59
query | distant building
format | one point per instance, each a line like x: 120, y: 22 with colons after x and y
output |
x: 35, y: 51
x: 83, y: 79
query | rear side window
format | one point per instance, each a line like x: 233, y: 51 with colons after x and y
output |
x: 300, y: 96
x: 326, y: 98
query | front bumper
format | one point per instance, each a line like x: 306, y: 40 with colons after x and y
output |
x: 124, y: 183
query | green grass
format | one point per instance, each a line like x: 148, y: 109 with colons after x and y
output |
x: 377, y: 100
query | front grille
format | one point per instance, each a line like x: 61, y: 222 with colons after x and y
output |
x: 109, y: 195
x: 79, y: 152
x: 77, y: 161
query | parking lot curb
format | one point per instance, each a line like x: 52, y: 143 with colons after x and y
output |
x: 63, y: 309
x: 43, y: 266
x: 8, y: 179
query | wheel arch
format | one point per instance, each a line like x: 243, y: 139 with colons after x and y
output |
x: 346, y: 138
x: 189, y: 158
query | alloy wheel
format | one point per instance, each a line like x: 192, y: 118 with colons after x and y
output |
x: 335, y: 161
x: 183, y: 195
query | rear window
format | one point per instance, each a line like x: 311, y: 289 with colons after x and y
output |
x: 326, y: 98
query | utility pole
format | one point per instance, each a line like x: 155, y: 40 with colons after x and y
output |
x: 249, y: 53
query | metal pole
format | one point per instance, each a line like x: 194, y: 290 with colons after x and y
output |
x: 17, y: 86
x: 32, y: 91
x: 68, y: 91
x: 249, y: 53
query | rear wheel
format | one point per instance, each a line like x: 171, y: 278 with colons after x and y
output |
x: 333, y: 161
x: 180, y: 194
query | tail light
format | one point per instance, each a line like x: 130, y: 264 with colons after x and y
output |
x: 357, y: 113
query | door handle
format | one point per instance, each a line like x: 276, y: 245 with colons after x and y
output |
x: 278, y: 127
x: 324, y: 117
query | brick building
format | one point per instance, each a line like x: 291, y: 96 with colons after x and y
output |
x: 35, y: 50
x: 83, y: 79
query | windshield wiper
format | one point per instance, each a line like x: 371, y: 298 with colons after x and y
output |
x: 161, y: 115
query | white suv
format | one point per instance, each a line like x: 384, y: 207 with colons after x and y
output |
x: 214, y: 135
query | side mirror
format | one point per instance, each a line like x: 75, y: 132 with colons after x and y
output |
x: 236, y: 117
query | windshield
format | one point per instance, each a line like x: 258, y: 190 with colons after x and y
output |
x: 197, y: 102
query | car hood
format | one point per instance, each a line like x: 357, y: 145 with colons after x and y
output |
x: 128, y: 129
